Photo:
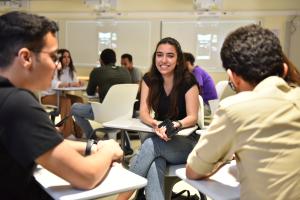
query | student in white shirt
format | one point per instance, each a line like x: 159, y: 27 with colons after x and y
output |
x: 65, y: 76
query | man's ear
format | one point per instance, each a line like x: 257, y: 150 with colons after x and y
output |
x: 285, y: 70
x: 232, y: 76
x: 25, y: 57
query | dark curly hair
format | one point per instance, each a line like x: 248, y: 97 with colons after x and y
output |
x: 254, y: 53
x: 181, y: 74
x: 19, y: 30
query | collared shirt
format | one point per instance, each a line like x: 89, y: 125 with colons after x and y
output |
x: 262, y: 128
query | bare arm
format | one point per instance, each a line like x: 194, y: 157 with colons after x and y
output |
x: 144, y: 110
x: 77, y: 146
x: 65, y: 161
x: 191, y: 174
x: 192, y: 107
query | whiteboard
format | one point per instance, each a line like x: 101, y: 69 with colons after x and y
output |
x: 86, y: 40
x: 203, y: 38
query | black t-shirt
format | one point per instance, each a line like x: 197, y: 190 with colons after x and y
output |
x: 104, y: 77
x: 25, y: 133
x: 164, y: 102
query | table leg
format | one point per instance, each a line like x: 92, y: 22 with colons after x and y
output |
x: 123, y: 144
x: 56, y: 111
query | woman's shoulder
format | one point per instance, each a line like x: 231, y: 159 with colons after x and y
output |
x: 188, y: 81
x: 147, y: 78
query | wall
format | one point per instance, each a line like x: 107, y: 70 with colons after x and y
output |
x: 273, y: 14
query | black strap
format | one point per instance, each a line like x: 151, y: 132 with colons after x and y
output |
x: 89, y: 145
x: 175, y: 195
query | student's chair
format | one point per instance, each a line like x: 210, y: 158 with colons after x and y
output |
x: 223, y: 90
x: 118, y: 102
x: 50, y: 109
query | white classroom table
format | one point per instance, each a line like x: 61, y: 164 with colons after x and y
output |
x: 135, y: 124
x: 59, y: 91
x: 221, y: 186
x: 117, y: 180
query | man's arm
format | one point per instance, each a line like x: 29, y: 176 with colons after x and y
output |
x: 92, y: 84
x: 191, y: 174
x: 213, y: 148
x: 65, y: 161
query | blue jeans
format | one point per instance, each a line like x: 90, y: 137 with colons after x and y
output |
x: 83, y: 112
x: 153, y: 157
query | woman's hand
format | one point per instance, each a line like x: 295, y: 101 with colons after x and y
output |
x: 161, y: 132
x: 76, y: 84
x: 64, y: 84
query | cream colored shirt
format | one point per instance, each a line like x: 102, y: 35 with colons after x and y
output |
x: 262, y: 128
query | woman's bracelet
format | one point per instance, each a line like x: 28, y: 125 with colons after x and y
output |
x: 89, y: 145
x: 180, y: 124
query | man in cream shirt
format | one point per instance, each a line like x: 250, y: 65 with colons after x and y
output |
x: 260, y: 125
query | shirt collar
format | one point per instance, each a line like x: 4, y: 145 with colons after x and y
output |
x: 272, y: 81
x: 4, y: 82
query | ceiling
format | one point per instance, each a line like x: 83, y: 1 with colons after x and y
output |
x: 42, y: 6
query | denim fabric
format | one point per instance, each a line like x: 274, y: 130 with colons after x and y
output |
x: 83, y: 112
x: 154, y: 155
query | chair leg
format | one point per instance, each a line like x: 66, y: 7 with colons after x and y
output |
x: 169, y: 183
x: 112, y: 135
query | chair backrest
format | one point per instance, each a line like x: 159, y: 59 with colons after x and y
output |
x: 223, y: 90
x: 118, y: 102
x: 201, y: 113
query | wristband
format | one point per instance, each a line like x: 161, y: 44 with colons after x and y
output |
x: 89, y: 145
x: 180, y: 124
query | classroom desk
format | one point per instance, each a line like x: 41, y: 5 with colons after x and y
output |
x: 59, y: 91
x: 118, y: 180
x: 134, y: 124
x: 221, y: 186
x: 83, y: 78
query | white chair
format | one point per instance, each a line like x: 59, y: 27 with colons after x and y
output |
x: 201, y: 113
x: 50, y: 109
x: 223, y: 90
x: 118, y: 102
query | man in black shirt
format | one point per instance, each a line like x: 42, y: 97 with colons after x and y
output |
x: 28, y: 47
x: 101, y: 79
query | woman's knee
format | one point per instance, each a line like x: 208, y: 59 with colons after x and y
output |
x: 76, y: 108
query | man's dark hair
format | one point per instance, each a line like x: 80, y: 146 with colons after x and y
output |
x: 254, y: 53
x: 128, y: 56
x: 108, y: 57
x: 189, y: 57
x: 22, y: 30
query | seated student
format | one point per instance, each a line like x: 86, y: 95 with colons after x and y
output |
x: 64, y: 77
x: 260, y: 125
x: 171, y: 92
x: 205, y: 82
x: 101, y: 79
x: 27, y: 136
x: 135, y: 73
